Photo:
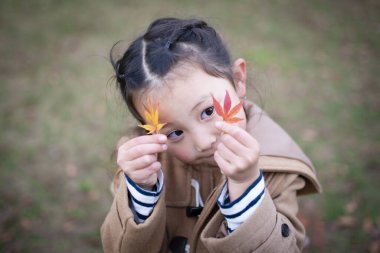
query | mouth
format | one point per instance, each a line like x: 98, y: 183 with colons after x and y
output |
x: 207, y: 157
x: 208, y: 154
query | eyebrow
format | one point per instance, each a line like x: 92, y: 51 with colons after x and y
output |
x: 167, y: 125
x: 201, y: 100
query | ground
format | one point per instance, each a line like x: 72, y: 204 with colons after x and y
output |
x: 313, y: 66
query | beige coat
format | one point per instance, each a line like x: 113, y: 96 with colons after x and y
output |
x: 274, y: 227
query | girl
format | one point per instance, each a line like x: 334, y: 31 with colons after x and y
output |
x: 201, y: 184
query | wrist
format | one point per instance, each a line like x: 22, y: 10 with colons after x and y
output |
x: 236, y: 187
x: 147, y: 187
x: 147, y: 184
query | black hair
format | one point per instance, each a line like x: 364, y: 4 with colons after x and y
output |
x: 166, y: 43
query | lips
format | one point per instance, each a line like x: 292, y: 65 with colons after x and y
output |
x: 207, y: 154
x: 206, y: 157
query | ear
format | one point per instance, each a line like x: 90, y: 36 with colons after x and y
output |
x: 240, y: 77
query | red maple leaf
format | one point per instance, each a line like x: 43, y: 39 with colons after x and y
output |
x: 225, y: 112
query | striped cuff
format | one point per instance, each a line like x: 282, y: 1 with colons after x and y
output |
x: 242, y: 208
x: 142, y: 201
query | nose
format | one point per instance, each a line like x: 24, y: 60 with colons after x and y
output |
x: 204, y: 141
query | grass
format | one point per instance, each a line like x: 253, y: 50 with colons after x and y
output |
x: 315, y: 64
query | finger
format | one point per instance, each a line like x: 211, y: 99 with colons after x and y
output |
x: 141, y: 176
x: 139, y: 163
x: 237, y: 132
x: 233, y: 145
x: 224, y: 166
x: 245, y: 156
x: 144, y: 139
x: 237, y: 163
x: 140, y: 150
x: 227, y: 154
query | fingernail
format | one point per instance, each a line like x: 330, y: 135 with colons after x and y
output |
x: 218, y: 124
x: 164, y: 147
x: 162, y: 138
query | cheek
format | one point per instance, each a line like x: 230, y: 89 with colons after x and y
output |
x: 182, y: 153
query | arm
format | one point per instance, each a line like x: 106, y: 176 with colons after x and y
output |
x: 273, y: 227
x: 237, y: 155
x: 137, y: 160
x: 238, y: 211
x: 120, y: 233
x: 142, y: 201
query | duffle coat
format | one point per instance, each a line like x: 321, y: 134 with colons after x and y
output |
x: 273, y: 227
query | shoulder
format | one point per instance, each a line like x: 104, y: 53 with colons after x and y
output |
x: 278, y: 171
x: 273, y: 139
x: 279, y: 153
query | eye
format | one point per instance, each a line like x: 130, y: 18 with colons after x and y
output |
x: 207, y: 113
x: 174, y: 135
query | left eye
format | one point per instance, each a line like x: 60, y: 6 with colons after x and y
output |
x: 207, y: 113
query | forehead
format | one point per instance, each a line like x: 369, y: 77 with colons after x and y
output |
x: 183, y: 88
x: 191, y: 82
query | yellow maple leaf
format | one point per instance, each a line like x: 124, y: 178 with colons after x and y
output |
x: 151, y: 117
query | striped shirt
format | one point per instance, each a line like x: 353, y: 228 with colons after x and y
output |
x: 238, y: 211
x: 142, y: 202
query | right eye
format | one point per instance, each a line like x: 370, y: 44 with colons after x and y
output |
x: 174, y: 135
x: 207, y: 113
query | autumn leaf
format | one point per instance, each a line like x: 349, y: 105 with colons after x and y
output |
x: 226, y: 112
x: 151, y: 116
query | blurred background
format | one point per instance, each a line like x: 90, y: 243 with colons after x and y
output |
x: 313, y: 66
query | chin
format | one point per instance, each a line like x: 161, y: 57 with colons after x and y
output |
x: 207, y: 161
x: 212, y: 163
x: 199, y: 161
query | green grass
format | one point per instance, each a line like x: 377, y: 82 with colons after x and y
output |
x: 315, y: 64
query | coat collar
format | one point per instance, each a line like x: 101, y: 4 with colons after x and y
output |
x: 273, y: 139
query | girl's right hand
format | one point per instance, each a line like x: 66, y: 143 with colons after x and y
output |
x: 138, y: 158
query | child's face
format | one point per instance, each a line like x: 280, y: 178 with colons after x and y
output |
x: 187, y: 108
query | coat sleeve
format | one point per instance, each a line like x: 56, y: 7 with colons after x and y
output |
x: 273, y: 227
x: 120, y: 233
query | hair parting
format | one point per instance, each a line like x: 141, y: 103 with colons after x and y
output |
x: 167, y: 43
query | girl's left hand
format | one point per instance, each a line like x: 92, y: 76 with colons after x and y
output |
x: 237, y: 156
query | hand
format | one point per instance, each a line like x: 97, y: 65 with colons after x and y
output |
x: 237, y: 156
x: 138, y: 159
